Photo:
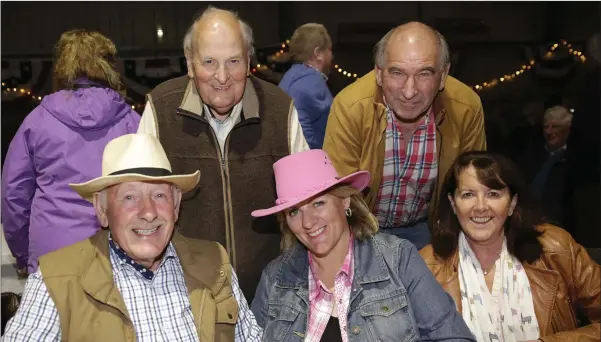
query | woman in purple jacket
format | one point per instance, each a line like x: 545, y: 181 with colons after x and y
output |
x: 60, y: 142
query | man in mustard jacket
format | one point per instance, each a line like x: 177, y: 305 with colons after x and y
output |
x: 136, y: 280
x: 405, y: 123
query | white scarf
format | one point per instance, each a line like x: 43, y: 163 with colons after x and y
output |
x: 507, y: 313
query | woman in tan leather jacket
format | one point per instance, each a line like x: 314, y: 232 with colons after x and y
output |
x: 511, y: 276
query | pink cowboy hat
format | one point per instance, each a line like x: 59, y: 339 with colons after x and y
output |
x: 303, y: 175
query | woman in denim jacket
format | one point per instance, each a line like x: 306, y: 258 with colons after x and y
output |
x: 338, y: 279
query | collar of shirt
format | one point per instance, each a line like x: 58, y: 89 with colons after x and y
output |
x: 314, y: 68
x: 552, y: 152
x: 317, y: 287
x: 125, y: 259
x: 422, y: 125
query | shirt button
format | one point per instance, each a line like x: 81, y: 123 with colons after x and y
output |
x: 221, y: 273
x: 356, y: 330
x: 229, y: 315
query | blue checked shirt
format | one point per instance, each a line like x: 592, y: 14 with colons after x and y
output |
x: 157, y: 302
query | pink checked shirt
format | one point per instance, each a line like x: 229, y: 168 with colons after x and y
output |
x: 321, y: 299
x: 409, y: 175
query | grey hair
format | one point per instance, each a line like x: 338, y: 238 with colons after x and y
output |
x: 559, y: 114
x: 444, y: 58
x: 247, y: 31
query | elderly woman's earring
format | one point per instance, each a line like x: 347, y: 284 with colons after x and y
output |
x: 348, y: 212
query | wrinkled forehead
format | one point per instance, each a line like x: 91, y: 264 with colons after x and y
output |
x: 557, y: 122
x: 411, y: 48
x: 217, y: 39
x: 141, y: 186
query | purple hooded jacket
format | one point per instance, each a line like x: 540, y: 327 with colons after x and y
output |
x: 60, y: 142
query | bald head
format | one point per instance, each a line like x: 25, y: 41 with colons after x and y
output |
x: 215, y: 22
x: 413, y: 35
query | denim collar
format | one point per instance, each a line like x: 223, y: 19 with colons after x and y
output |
x: 369, y: 266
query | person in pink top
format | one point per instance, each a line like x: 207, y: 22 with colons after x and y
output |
x: 338, y: 279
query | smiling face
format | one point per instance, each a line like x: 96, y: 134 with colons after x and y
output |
x: 412, y: 75
x: 481, y: 211
x: 141, y: 217
x: 320, y: 224
x: 219, y: 63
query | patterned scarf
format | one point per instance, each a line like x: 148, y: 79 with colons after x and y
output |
x: 507, y: 313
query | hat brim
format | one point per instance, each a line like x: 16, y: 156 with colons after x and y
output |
x: 358, y: 180
x: 86, y: 190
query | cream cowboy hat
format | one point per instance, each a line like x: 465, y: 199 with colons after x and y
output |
x: 131, y: 158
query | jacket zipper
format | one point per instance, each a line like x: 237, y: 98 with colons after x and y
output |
x: 229, y: 224
x: 229, y: 243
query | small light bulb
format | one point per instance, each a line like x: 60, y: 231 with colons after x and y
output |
x: 133, y: 107
x: 571, y: 110
x: 160, y: 32
x: 283, y: 46
x: 14, y: 89
x: 258, y: 65
x: 287, y: 41
x: 335, y: 67
x: 339, y: 70
x: 40, y: 98
x: 3, y: 84
x: 344, y: 73
x: 502, y: 79
x: 354, y: 75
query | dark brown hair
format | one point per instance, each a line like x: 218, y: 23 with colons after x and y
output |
x: 496, y: 172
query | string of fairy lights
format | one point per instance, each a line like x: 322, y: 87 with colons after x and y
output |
x: 284, y: 45
x: 527, y: 67
x: 38, y: 97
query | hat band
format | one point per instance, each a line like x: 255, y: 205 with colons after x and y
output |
x: 146, y: 171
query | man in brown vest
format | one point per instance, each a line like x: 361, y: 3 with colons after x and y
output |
x: 138, y: 281
x: 233, y: 127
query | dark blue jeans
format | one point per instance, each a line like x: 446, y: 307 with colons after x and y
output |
x: 418, y: 234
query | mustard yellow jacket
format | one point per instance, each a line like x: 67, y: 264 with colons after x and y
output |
x: 355, y: 133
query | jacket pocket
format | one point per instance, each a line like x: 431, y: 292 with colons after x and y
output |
x: 280, y: 320
x: 227, y: 311
x: 388, y: 318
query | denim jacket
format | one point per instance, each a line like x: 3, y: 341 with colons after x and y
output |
x: 394, y: 296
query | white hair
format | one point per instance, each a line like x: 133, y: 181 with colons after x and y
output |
x: 559, y: 114
x: 444, y: 57
x: 247, y: 32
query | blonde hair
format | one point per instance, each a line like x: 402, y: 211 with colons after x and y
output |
x: 362, y: 222
x: 89, y: 54
x: 306, y: 38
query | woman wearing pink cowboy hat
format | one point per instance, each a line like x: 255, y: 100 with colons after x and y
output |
x: 338, y: 279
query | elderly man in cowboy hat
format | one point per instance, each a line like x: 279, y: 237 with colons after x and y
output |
x: 136, y: 280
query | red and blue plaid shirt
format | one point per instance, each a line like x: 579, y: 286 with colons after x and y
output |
x: 321, y: 299
x: 409, y: 175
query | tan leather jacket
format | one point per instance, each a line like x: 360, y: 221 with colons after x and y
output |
x: 563, y: 279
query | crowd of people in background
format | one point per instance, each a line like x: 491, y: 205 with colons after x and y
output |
x: 238, y: 210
